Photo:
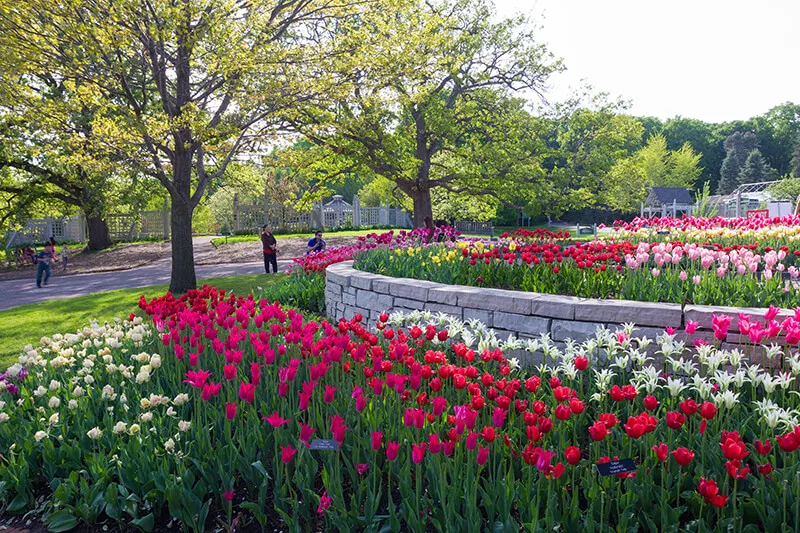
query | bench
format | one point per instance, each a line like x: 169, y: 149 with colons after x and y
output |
x: 475, y: 228
x: 585, y: 230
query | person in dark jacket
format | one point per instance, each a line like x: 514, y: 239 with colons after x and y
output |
x: 270, y: 246
x: 43, y: 260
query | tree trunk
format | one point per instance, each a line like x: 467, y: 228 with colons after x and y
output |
x: 99, y: 238
x: 183, y: 274
x: 422, y: 206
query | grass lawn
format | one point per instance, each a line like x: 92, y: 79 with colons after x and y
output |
x: 28, y: 323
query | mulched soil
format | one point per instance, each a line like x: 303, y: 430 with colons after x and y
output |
x: 127, y: 256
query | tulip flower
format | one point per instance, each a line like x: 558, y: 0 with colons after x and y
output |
x: 572, y: 455
x: 683, y: 456
x: 763, y: 448
x: 275, y: 420
x: 247, y: 391
x: 287, y: 454
x: 230, y: 411
x: 324, y: 503
x: 483, y: 455
x: 392, y: 449
x: 598, y: 431
x: 418, y: 452
x: 661, y: 451
x: 708, y: 410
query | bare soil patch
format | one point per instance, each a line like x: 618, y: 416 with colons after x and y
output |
x: 127, y: 256
x: 248, y: 252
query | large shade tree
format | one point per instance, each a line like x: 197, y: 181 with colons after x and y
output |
x: 429, y: 104
x: 187, y: 85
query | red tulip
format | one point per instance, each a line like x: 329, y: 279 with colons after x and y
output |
x: 287, y: 454
x: 305, y: 432
x: 763, y: 448
x: 609, y: 419
x: 325, y: 500
x: 661, y: 451
x: 562, y: 412
x: 392, y: 448
x: 573, y: 455
x: 675, y: 420
x: 247, y: 391
x: 275, y: 420
x: 651, y: 403
x: 598, y: 431
x: 733, y: 450
x: 228, y: 495
x: 330, y: 391
x: 377, y: 440
x: 576, y: 406
x: 418, y: 452
x: 765, y: 469
x: 483, y: 455
x: 230, y: 411
x: 581, y: 363
x: 688, y: 407
x: 683, y: 456
x: 708, y: 410
x: 735, y: 469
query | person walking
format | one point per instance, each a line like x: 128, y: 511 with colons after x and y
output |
x: 43, y: 260
x: 270, y: 246
x: 316, y: 244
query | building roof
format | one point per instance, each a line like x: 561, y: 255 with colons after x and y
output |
x: 668, y: 195
x: 337, y: 201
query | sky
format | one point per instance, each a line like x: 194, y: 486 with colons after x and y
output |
x: 707, y: 59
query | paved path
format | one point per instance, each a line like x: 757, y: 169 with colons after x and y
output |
x: 18, y: 292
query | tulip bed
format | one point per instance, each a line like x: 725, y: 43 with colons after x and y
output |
x: 656, y: 272
x: 724, y: 232
x: 203, y: 414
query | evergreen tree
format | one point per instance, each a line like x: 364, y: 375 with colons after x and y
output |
x: 738, y: 147
x: 755, y: 169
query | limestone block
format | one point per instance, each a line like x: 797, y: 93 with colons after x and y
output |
x: 621, y: 311
x: 361, y: 280
x: 373, y: 301
x: 479, y: 314
x: 554, y: 306
x: 349, y: 299
x: 531, y: 325
x: 443, y: 295
x: 497, y: 300
x: 453, y: 310
x: 408, y: 303
x: 339, y: 273
x: 333, y: 288
x: 380, y: 284
x: 413, y: 289
x: 562, y: 330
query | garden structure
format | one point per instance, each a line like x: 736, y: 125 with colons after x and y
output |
x: 667, y: 201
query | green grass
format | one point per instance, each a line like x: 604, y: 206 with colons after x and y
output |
x: 28, y: 323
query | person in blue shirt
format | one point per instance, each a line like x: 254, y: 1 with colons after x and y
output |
x: 316, y: 244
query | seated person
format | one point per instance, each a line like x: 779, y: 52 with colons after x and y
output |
x: 316, y: 244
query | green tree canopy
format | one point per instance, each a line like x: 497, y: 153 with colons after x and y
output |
x: 652, y: 166
x: 180, y: 87
x: 432, y: 109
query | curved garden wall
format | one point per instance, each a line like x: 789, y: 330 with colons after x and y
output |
x: 349, y: 291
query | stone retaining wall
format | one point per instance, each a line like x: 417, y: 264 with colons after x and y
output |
x: 349, y: 291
